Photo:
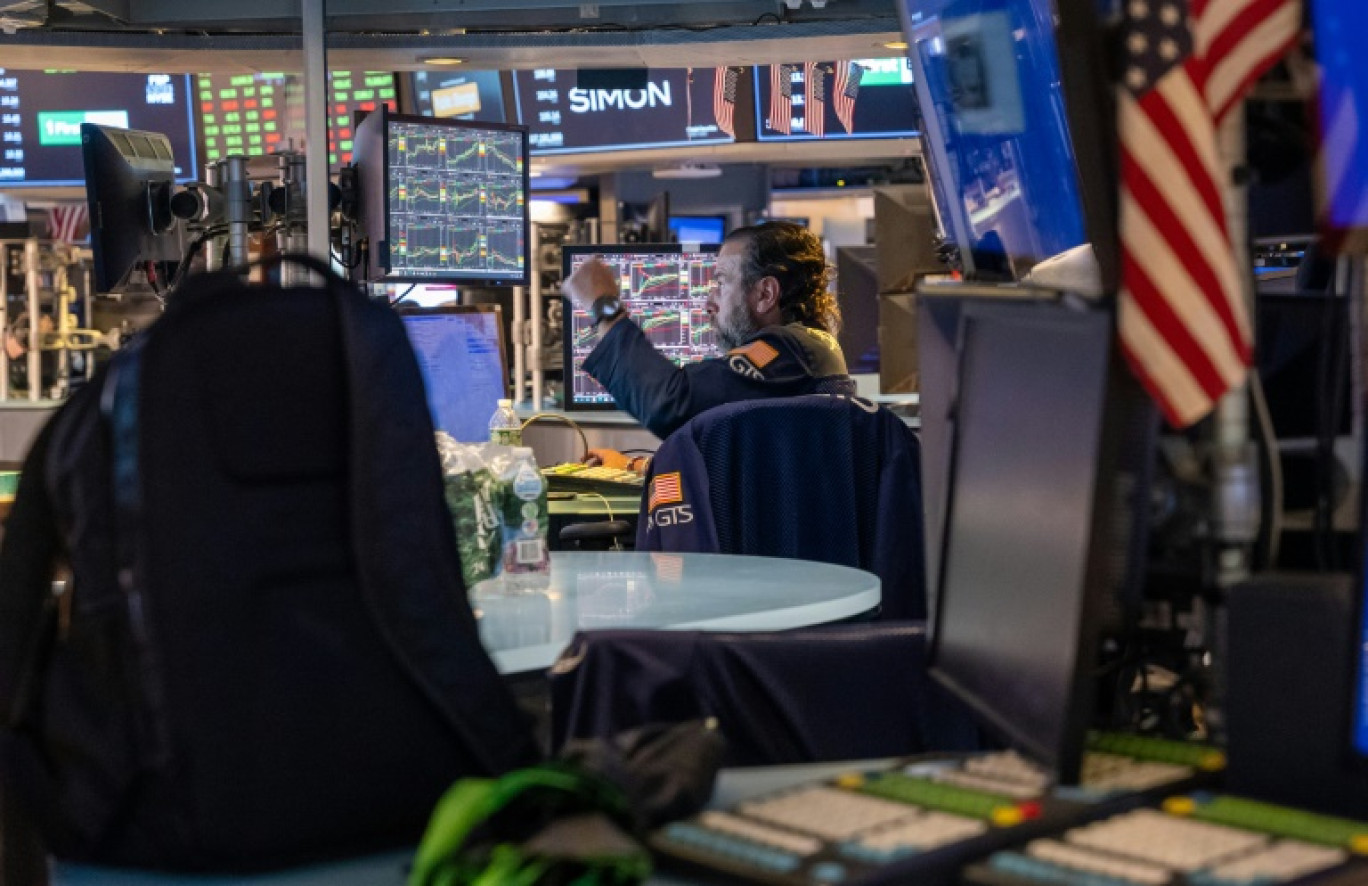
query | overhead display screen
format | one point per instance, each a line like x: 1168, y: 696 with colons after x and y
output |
x: 851, y: 98
x: 459, y: 95
x: 677, y: 106
x: 254, y: 114
x: 41, y: 113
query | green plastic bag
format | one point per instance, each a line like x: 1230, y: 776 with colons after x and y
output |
x: 548, y: 825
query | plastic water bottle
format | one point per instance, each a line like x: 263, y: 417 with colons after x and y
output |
x: 504, y: 427
x: 526, y: 558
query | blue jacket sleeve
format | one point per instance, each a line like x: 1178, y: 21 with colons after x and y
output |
x: 663, y: 396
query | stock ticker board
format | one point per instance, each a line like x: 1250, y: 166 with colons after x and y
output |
x: 457, y: 201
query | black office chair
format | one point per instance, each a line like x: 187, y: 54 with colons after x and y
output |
x: 825, y: 478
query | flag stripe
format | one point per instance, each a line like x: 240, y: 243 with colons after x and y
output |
x: 1148, y: 299
x: 1236, y: 71
x: 1160, y: 370
x: 1192, y: 305
x: 1187, y: 258
x: 1154, y: 122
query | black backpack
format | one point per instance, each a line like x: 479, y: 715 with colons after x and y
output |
x: 264, y: 654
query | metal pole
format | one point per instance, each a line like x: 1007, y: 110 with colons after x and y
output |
x: 316, y: 125
x: 35, y: 315
x: 534, y: 351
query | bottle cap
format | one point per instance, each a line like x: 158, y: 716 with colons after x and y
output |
x: 503, y: 403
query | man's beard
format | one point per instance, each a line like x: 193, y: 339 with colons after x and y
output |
x: 735, y: 327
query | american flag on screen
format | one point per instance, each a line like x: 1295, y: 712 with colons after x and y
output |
x: 1183, y: 323
x: 844, y: 90
x: 814, y: 101
x: 69, y: 222
x: 724, y: 99
x: 781, y: 98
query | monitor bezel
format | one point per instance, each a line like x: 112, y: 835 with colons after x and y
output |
x: 379, y: 260
x: 568, y: 255
x: 406, y: 311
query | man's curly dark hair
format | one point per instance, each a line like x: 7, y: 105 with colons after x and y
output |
x: 792, y: 255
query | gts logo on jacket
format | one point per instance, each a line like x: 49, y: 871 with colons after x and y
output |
x: 677, y: 515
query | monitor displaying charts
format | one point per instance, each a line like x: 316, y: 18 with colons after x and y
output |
x: 666, y: 291
x: 460, y: 350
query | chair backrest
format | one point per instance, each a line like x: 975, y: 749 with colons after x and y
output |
x: 819, y: 477
x: 306, y: 674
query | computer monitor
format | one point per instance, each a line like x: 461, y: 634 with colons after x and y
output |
x: 995, y: 131
x: 698, y: 228
x: 460, y: 350
x: 443, y: 200
x: 41, y: 113
x: 1034, y: 525
x: 463, y: 95
x: 129, y: 178
x: 666, y: 290
x: 674, y: 107
x: 1343, y: 106
x: 255, y: 114
x: 857, y: 292
x: 829, y: 100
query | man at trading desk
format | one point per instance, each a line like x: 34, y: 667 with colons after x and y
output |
x: 775, y: 319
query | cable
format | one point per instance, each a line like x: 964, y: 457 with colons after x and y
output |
x: 1275, y: 474
x: 571, y: 422
x: 606, y: 504
x: 405, y: 294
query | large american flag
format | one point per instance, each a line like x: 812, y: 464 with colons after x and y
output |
x: 781, y: 98
x: 1183, y: 322
x: 814, y: 98
x: 724, y: 99
x: 844, y: 90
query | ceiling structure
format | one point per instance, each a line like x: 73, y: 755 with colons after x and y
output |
x: 244, y: 36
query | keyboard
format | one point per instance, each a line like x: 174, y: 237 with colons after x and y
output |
x: 920, y: 821
x: 575, y: 477
x: 1198, y: 840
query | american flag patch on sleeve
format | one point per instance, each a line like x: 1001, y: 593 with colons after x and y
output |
x: 665, y: 490
x: 759, y: 353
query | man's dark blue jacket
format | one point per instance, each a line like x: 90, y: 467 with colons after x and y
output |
x: 780, y: 361
x: 828, y: 478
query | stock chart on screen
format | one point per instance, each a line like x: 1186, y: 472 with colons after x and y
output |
x: 457, y: 200
x: 665, y: 289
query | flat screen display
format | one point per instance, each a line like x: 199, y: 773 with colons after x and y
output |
x: 41, y: 113
x: 666, y: 291
x: 677, y: 106
x: 850, y: 98
x: 698, y: 228
x: 1343, y: 106
x: 997, y: 139
x: 459, y: 95
x: 456, y: 200
x: 255, y: 114
x: 460, y: 350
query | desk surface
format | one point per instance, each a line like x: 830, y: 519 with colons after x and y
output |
x: 525, y: 631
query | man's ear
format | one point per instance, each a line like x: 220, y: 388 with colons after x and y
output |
x: 766, y: 296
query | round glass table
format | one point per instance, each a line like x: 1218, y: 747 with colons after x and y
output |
x: 526, y: 630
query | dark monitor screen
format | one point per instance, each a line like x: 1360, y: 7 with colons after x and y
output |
x: 666, y: 291
x: 460, y: 350
x: 698, y: 228
x: 857, y: 292
x: 129, y: 177
x: 676, y: 106
x: 255, y: 114
x: 444, y: 200
x: 1014, y: 636
x: 462, y: 95
x: 41, y: 113
x: 1303, y: 363
x: 852, y: 98
x: 996, y: 136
